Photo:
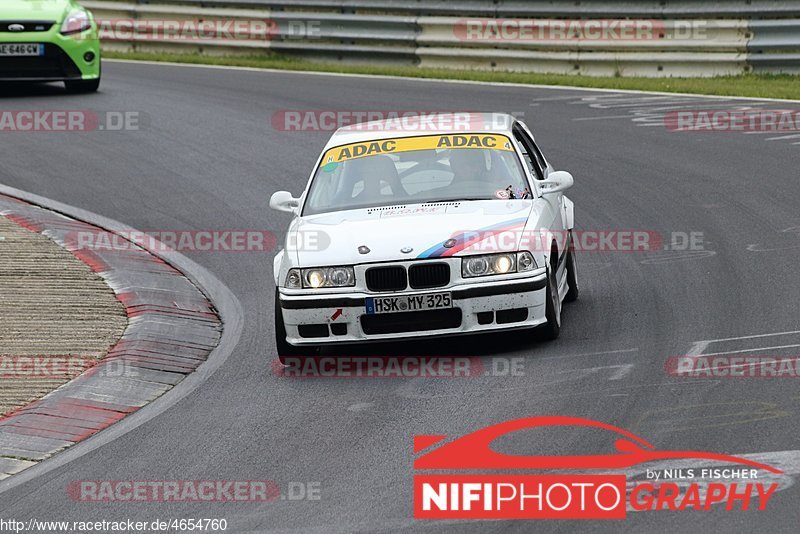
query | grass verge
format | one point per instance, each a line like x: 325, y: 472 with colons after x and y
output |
x: 751, y: 85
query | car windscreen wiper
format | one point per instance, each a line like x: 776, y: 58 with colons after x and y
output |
x: 454, y: 200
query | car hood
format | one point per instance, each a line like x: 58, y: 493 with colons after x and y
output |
x: 34, y: 9
x: 335, y: 238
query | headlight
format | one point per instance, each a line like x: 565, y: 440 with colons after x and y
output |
x: 490, y: 264
x: 504, y: 264
x: 314, y: 278
x: 477, y: 266
x: 321, y: 277
x: 341, y: 276
x: 525, y: 262
x: 77, y: 21
x: 293, y: 279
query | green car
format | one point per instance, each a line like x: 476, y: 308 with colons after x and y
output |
x: 49, y: 40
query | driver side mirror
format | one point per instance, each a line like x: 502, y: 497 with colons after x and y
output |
x: 284, y: 201
x: 556, y: 181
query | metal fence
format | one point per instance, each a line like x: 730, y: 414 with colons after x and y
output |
x: 591, y: 37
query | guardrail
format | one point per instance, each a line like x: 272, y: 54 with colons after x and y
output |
x: 527, y: 8
x: 775, y: 45
x: 592, y: 37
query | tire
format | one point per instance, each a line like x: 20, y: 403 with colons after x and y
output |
x: 552, y: 328
x: 572, y: 277
x: 286, y: 350
x: 82, y: 86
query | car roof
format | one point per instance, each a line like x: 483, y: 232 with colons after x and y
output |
x: 406, y: 124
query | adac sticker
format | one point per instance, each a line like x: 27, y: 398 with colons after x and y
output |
x: 407, y: 144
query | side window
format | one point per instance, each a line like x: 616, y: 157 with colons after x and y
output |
x: 538, y: 154
x: 328, y: 186
x: 529, y: 152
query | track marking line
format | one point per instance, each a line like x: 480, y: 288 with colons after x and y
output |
x: 555, y: 98
x: 669, y: 256
x: 753, y: 336
x: 621, y: 372
x: 361, y: 407
x: 610, y: 117
x: 757, y: 349
x: 756, y: 247
x: 742, y: 365
x: 698, y: 347
x: 621, y: 351
x: 795, y: 136
x: 681, y: 418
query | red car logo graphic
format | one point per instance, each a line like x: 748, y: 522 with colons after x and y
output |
x: 473, y: 451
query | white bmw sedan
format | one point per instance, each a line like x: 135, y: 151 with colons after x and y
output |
x: 406, y: 233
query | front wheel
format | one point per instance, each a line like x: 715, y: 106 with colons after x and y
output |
x: 572, y: 277
x: 552, y: 328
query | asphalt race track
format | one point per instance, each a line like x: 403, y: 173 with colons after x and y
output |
x: 207, y: 157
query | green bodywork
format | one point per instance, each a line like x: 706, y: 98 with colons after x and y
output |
x: 75, y: 45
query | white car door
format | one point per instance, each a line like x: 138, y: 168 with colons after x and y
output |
x: 552, y: 206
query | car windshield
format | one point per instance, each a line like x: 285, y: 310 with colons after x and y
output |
x: 433, y: 168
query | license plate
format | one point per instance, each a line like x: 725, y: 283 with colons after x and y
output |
x: 408, y: 303
x: 21, y: 49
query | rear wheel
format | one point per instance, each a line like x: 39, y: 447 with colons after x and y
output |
x: 552, y: 327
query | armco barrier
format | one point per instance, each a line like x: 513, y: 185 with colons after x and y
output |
x: 322, y: 36
x: 671, y: 48
x: 685, y: 38
x: 775, y: 46
x: 528, y: 8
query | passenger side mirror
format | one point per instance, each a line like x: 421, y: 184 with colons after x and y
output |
x: 556, y: 181
x: 284, y: 201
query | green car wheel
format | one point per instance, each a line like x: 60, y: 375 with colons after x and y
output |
x: 47, y: 41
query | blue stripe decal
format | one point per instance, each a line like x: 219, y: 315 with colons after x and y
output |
x: 437, y: 250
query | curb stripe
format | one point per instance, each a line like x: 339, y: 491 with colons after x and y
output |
x: 163, y: 343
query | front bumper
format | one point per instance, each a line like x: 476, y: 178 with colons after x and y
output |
x: 63, y: 57
x: 477, y: 307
